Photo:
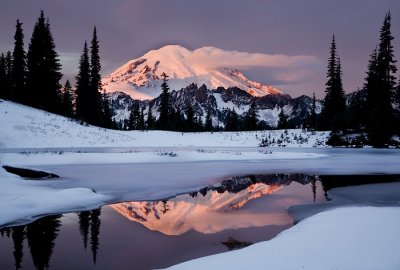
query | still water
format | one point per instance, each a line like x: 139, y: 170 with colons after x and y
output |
x: 156, y: 234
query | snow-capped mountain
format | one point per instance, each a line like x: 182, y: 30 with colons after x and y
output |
x: 140, y: 78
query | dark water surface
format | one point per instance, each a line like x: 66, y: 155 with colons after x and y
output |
x: 157, y: 234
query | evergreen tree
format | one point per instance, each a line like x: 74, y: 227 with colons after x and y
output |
x: 232, y: 121
x: 398, y: 93
x: 397, y: 97
x: 8, y: 67
x: 95, y: 112
x: 250, y: 121
x: 380, y: 85
x: 283, y: 120
x: 84, y: 222
x: 150, y: 118
x: 199, y: 124
x: 95, y: 224
x: 107, y: 120
x: 164, y: 107
x: 67, y: 100
x: 83, y: 86
x: 134, y: 117
x: 314, y: 112
x: 41, y: 236
x: 177, y: 120
x: 357, y: 111
x: 43, y: 77
x: 190, y: 119
x: 18, y: 236
x: 19, y: 66
x: 333, y: 113
x: 2, y: 76
x: 5, y: 75
x: 141, y: 119
x: 208, y: 126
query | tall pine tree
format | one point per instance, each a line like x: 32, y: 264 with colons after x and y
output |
x: 250, y: 120
x: 107, y: 120
x: 3, y: 76
x: 95, y: 111
x: 333, y: 112
x: 190, y: 119
x: 5, y: 81
x: 314, y: 112
x: 8, y: 66
x: 208, y: 126
x: 43, y: 77
x: 283, y: 120
x: 380, y: 84
x: 18, y: 76
x: 150, y: 118
x: 83, y: 86
x: 67, y: 100
x: 164, y: 107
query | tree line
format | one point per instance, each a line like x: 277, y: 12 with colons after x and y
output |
x: 33, y: 78
x: 373, y: 111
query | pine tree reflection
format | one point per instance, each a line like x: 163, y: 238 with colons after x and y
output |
x: 95, y: 232
x: 84, y: 222
x: 41, y: 236
x: 18, y: 236
x: 5, y: 232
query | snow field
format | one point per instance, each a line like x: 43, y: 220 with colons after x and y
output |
x: 344, y: 238
x: 25, y: 127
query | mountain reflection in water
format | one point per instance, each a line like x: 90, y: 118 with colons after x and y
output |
x: 216, y: 208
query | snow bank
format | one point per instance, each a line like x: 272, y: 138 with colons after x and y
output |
x: 343, y: 238
x: 22, y: 200
x: 25, y: 127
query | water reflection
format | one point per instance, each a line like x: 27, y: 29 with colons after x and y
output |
x: 41, y: 236
x: 216, y: 208
x: 90, y: 221
x: 247, y: 208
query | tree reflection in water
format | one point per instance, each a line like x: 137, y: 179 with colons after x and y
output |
x: 41, y: 236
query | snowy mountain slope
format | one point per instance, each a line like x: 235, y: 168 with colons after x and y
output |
x: 26, y: 127
x: 141, y: 78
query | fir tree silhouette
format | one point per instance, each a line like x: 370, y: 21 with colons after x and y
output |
x: 314, y: 188
x: 18, y: 236
x: 95, y: 224
x: 41, y: 236
x: 84, y: 223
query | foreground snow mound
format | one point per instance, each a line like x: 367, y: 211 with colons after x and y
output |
x: 344, y: 238
x: 25, y: 200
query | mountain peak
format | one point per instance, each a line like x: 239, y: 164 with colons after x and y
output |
x: 141, y: 77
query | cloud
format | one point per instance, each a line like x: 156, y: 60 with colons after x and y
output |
x: 216, y: 58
